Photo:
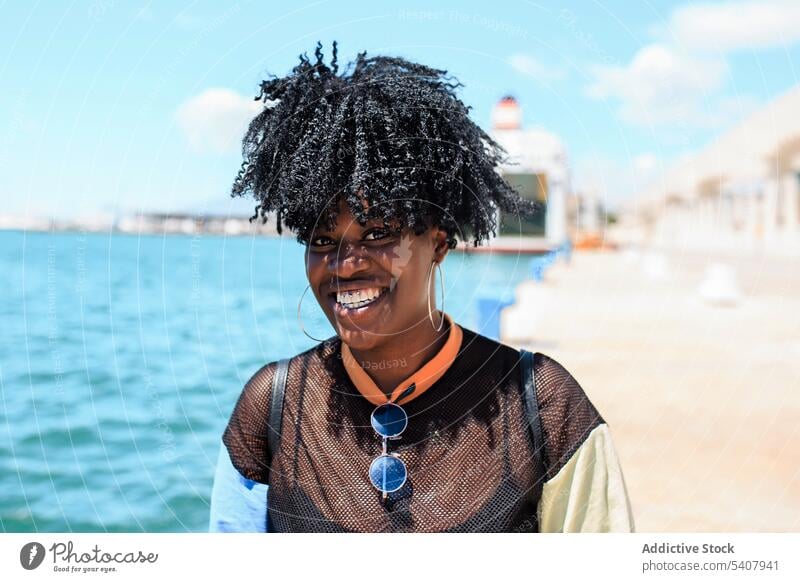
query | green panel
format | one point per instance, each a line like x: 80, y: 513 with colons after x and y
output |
x: 532, y: 187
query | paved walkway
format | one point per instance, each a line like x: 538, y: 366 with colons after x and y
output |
x: 703, y: 401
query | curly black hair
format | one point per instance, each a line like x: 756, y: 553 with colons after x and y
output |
x: 391, y: 137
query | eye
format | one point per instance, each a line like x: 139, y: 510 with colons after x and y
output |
x: 315, y: 243
x: 379, y: 233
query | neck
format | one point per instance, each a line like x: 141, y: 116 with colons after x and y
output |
x: 403, y: 356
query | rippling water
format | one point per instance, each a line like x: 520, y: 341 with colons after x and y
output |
x: 121, y: 358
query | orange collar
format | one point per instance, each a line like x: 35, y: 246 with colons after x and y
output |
x: 423, y: 378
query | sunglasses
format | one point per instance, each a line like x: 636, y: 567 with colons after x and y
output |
x: 387, y: 472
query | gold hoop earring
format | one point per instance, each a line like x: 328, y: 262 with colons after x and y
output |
x: 299, y: 319
x: 430, y: 313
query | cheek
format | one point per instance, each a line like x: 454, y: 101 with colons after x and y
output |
x: 403, y: 260
x: 409, y: 275
x: 315, y: 269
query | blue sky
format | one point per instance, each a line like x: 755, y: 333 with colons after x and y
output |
x: 112, y: 107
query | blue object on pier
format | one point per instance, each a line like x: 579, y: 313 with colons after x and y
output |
x: 490, y: 303
x: 539, y: 265
x: 565, y: 250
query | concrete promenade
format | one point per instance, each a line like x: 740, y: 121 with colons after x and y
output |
x: 703, y: 400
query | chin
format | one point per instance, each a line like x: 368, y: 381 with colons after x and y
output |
x: 358, y: 339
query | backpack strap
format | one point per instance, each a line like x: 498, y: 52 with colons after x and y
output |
x: 528, y: 383
x: 276, y: 407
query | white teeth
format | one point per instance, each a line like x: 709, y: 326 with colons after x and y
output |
x: 358, y: 298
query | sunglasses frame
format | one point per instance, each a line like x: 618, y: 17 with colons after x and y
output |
x: 405, y: 471
x: 405, y: 424
x: 385, y: 452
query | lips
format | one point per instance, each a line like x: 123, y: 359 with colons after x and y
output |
x: 353, y: 285
x: 359, y: 295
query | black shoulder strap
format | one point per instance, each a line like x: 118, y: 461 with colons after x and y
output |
x: 276, y: 407
x: 532, y: 409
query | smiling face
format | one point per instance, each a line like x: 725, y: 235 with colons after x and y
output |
x: 372, y: 281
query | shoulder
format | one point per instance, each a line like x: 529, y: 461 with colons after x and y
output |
x: 248, y: 431
x: 584, y: 488
x: 260, y: 383
x: 245, y: 436
x: 258, y: 387
x: 567, y: 415
x: 480, y: 348
x: 255, y: 395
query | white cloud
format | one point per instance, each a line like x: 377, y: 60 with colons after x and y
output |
x: 532, y: 67
x: 215, y: 120
x: 661, y: 86
x: 645, y: 163
x: 726, y: 26
x: 677, y: 86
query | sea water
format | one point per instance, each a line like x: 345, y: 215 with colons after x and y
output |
x: 121, y: 357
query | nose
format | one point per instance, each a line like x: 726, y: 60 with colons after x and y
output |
x: 349, y: 259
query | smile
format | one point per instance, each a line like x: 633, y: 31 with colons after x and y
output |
x: 358, y: 301
x: 359, y: 297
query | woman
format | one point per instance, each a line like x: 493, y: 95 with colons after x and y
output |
x: 404, y: 420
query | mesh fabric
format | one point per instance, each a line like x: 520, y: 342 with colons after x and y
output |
x: 467, y: 447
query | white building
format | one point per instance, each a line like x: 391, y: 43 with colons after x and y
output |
x: 538, y: 165
x: 742, y: 192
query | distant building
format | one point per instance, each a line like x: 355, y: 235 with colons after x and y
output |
x: 741, y: 192
x: 538, y: 168
x: 184, y: 223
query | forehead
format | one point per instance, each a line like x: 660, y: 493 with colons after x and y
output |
x: 347, y: 221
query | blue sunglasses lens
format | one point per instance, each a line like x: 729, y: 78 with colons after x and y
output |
x: 389, y: 420
x: 387, y: 473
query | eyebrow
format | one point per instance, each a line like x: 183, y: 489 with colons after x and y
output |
x: 371, y: 223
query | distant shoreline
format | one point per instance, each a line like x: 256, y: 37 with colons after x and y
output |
x: 135, y: 233
x: 502, y: 245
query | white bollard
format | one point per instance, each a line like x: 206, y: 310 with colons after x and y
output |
x: 719, y: 285
x: 656, y: 266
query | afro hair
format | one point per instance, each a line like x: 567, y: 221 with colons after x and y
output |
x: 388, y: 136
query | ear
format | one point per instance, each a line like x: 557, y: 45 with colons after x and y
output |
x: 440, y: 248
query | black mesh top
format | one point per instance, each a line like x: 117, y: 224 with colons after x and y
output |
x: 467, y: 446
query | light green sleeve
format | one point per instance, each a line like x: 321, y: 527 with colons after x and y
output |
x: 588, y: 494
